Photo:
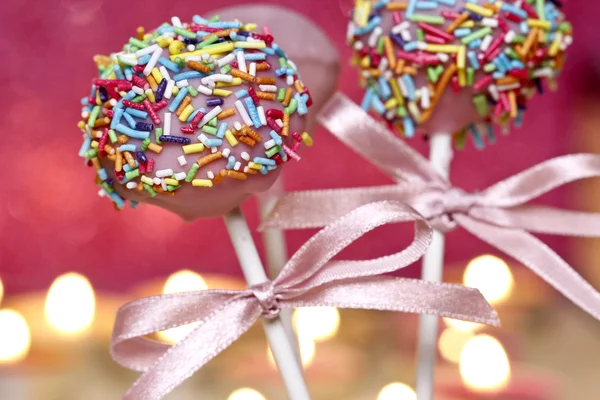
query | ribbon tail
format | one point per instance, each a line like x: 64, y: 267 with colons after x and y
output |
x: 403, y: 295
x: 185, y: 358
x: 538, y: 257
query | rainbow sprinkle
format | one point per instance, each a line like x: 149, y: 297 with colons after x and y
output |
x: 501, y: 50
x: 185, y: 72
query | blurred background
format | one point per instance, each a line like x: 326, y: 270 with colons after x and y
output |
x: 68, y: 260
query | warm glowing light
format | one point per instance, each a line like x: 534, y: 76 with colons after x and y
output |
x: 1, y: 291
x: 15, y: 338
x: 307, y: 347
x: 71, y: 304
x: 182, y: 281
x: 246, y: 394
x: 397, y: 391
x: 462, y: 325
x: 451, y: 343
x: 484, y: 365
x: 318, y: 323
x: 491, y: 276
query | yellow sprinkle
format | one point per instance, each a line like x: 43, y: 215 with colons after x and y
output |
x: 362, y: 10
x: 221, y: 92
x: 413, y: 109
x: 486, y: 12
x: 536, y: 23
x: 443, y: 48
x: 259, y: 44
x: 175, y: 90
x: 249, y: 27
x: 186, y: 113
x: 193, y: 148
x: 255, y: 166
x: 555, y: 45
x: 157, y: 75
x: 365, y: 62
x: 222, y: 48
x: 202, y: 183
x: 461, y: 57
x: 396, y: 91
x: 231, y: 138
x: 175, y: 48
x: 162, y: 42
x: 306, y: 139
x: 462, y: 77
x: 391, y: 103
x: 112, y: 76
x: 467, y: 24
x: 150, y: 95
x: 147, y: 180
x: 234, y: 82
x: 172, y: 182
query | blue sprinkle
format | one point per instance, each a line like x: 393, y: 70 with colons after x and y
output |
x: 410, y: 46
x: 170, y: 65
x: 192, y: 115
x: 447, y: 2
x: 253, y: 112
x: 127, y: 147
x: 375, y: 22
x: 476, y: 137
x: 276, y: 138
x: 115, y: 198
x: 514, y: 10
x: 143, y: 60
x: 473, y: 59
x: 178, y: 99
x: 165, y: 28
x: 132, y: 132
x: 409, y: 127
x: 128, y: 73
x: 133, y: 204
x: 213, y: 142
x: 118, y: 71
x: 384, y: 87
x: 426, y: 5
x: 380, y: 4
x: 136, y: 113
x: 490, y: 133
x: 410, y: 86
x: 268, y: 51
x: 378, y: 106
x: 129, y: 120
x: 87, y: 141
x: 410, y: 10
x: 118, y: 113
x: 127, y: 168
x: 188, y: 75
x: 241, y: 93
x: 102, y: 174
x: 256, y: 56
x: 225, y: 24
x: 230, y: 162
x: 368, y: 99
x: 475, y: 44
x: 264, y: 161
x: 462, y: 32
x: 199, y: 20
x: 278, y: 50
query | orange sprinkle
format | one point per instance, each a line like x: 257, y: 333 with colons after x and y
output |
x: 524, y: 51
x: 109, y: 149
x: 288, y: 97
x: 263, y: 66
x: 96, y: 163
x: 457, y: 22
x: 101, y: 122
x: 140, y: 32
x: 285, y: 130
x: 223, y: 33
x: 155, y: 148
x: 410, y: 70
x: 196, y: 66
x: 399, y: 66
x: 266, y: 95
x: 247, y: 131
x: 152, y: 82
x: 228, y: 112
x: 130, y: 159
x: 209, y: 158
x: 507, y: 80
x: 266, y: 81
x: 218, y: 178
x: 299, y: 86
x: 439, y: 91
x: 247, y: 141
x: 122, y: 139
x: 184, y: 103
x: 397, y: 6
x: 112, y: 157
x: 250, y: 171
x: 239, y: 74
x: 512, y: 98
x: 389, y: 51
x: 235, y: 175
x: 140, y: 186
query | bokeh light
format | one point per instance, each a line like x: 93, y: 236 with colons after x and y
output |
x: 491, y: 276
x: 181, y: 281
x: 1, y: 291
x: 462, y: 325
x: 451, y: 343
x: 484, y: 365
x: 318, y: 323
x: 71, y: 304
x: 246, y: 394
x: 15, y: 337
x: 308, y: 350
x: 397, y: 391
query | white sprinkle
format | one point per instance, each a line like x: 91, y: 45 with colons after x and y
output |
x: 226, y: 60
x: 113, y: 102
x: 403, y: 26
x: 102, y: 193
x: 156, y: 181
x: 261, y: 115
x: 245, y: 156
x: 246, y: 169
x: 147, y: 50
x: 493, y: 89
x: 182, y: 160
x: 182, y: 83
x: 252, y: 70
x: 217, y: 78
x: 237, y: 125
x: 443, y: 57
x: 406, y: 36
x: 210, y: 115
x: 211, y: 84
x: 164, y: 72
x: 210, y: 175
x: 169, y: 89
x: 168, y: 35
x: 350, y: 31
x: 138, y: 90
x: 131, y: 185
x: 388, y: 75
x: 485, y: 43
x: 175, y: 21
x: 163, y: 184
x: 242, y: 110
x: 422, y: 45
x: 241, y: 59
x: 358, y: 45
x: 153, y: 60
x: 193, y: 58
x: 213, y: 150
x: 191, y: 47
x: 268, y: 88
x: 425, y: 98
x: 167, y: 127
x: 512, y: 86
x: 180, y: 176
x: 390, y: 114
x: 491, y: 22
x: 375, y: 36
x: 403, y: 88
x: 237, y: 166
x: 543, y: 72
x: 206, y: 57
x: 270, y: 143
x: 290, y: 80
x: 384, y: 64
x: 204, y: 90
x: 509, y: 37
x: 86, y: 114
x: 164, y: 173
x: 279, y: 122
x: 202, y: 137
x: 226, y: 152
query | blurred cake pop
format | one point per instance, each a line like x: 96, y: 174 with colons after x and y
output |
x: 195, y: 118
x: 455, y: 66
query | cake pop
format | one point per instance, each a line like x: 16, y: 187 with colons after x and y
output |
x: 197, y: 117
x: 445, y: 66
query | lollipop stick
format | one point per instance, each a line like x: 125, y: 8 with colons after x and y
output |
x: 276, y: 252
x: 252, y: 267
x: 433, y: 264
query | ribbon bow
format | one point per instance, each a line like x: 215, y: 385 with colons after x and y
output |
x: 498, y: 215
x: 309, y: 279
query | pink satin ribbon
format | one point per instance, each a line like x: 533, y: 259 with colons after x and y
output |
x: 498, y: 215
x: 309, y: 279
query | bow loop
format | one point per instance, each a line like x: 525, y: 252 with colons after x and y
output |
x: 438, y: 205
x: 267, y: 298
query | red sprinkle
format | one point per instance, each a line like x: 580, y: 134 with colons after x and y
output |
x: 131, y: 104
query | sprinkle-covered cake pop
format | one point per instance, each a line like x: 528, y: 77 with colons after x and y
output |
x: 456, y: 66
x: 213, y: 107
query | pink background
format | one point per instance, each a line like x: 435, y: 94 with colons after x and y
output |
x: 51, y: 219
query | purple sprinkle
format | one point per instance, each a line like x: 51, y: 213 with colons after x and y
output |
x: 103, y: 94
x: 141, y: 157
x: 144, y: 126
x: 214, y: 101
x: 396, y: 38
x: 160, y: 91
x: 175, y: 139
x: 190, y: 41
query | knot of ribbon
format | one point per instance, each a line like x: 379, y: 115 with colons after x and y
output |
x: 265, y: 294
x: 499, y: 215
x: 309, y: 279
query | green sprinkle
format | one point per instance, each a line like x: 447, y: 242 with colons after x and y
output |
x: 461, y: 138
x: 210, y: 130
x: 214, y: 19
x: 481, y: 105
x: 470, y: 76
x: 430, y: 19
x: 192, y: 173
x: 519, y: 39
x: 282, y: 62
x: 149, y: 190
x: 402, y: 111
x: 138, y: 43
x: 213, y: 122
x: 272, y: 151
x: 107, y: 187
x: 489, y: 67
x: 172, y: 188
x: 158, y: 132
x: 512, y: 53
x: 420, y: 35
x: 281, y: 94
x: 477, y: 35
x: 380, y: 45
x: 564, y: 27
x: 185, y: 33
x: 207, y: 42
x: 91, y: 153
x: 140, y: 98
x: 292, y: 107
x: 226, y: 69
x: 192, y: 91
x: 134, y: 173
x: 179, y: 61
x: 93, y: 116
x: 539, y: 6
x: 112, y: 136
x: 145, y: 144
